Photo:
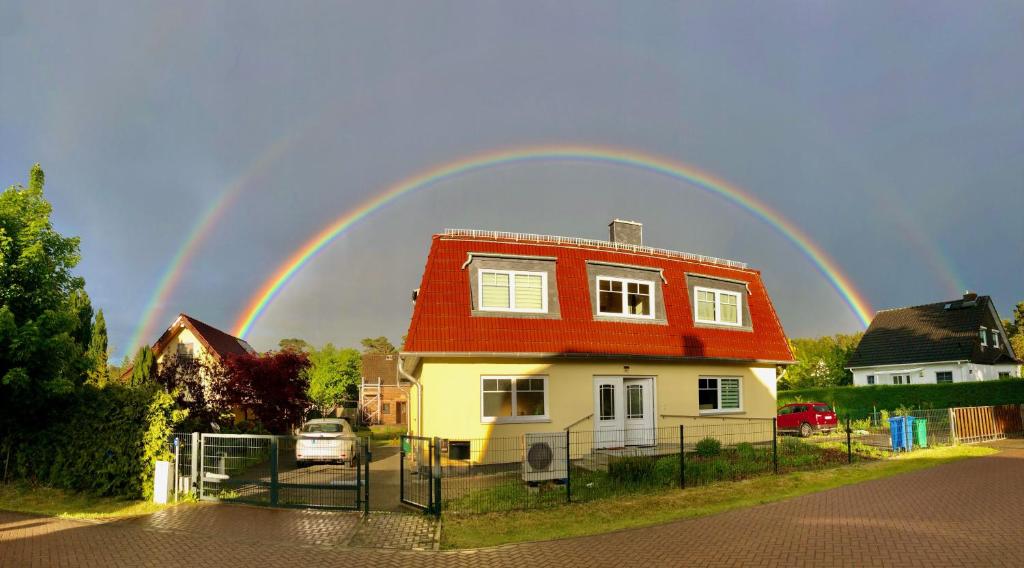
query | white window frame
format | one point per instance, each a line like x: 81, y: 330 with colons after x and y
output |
x: 983, y: 334
x: 625, y: 293
x: 938, y: 382
x: 718, y: 306
x: 514, y: 419
x: 995, y: 338
x: 720, y: 410
x: 512, y: 291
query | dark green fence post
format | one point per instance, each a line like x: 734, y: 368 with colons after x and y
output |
x: 367, y: 456
x: 568, y: 468
x: 682, y: 457
x: 196, y: 450
x: 775, y: 445
x: 437, y: 477
x: 273, y: 472
x: 849, y: 441
x: 401, y: 468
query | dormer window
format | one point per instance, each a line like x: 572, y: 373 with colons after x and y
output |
x: 513, y: 291
x: 983, y: 333
x: 624, y: 297
x: 717, y: 306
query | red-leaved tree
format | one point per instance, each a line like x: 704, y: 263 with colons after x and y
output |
x: 270, y: 388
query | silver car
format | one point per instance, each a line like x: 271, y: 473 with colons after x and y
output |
x: 326, y: 440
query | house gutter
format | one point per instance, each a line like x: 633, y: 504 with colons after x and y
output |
x: 419, y: 392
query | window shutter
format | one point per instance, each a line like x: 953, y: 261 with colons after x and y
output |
x: 730, y: 392
x: 529, y: 292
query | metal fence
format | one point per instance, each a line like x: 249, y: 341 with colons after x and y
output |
x: 184, y: 464
x: 264, y: 470
x: 546, y: 469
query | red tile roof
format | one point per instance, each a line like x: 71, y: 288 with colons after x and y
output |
x: 442, y: 320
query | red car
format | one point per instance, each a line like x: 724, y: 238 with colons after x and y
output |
x: 807, y: 418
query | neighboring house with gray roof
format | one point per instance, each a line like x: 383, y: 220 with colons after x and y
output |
x: 956, y: 341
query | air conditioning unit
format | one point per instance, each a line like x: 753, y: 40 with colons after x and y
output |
x: 545, y: 457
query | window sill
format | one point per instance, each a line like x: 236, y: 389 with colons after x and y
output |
x: 516, y: 420
x: 720, y: 412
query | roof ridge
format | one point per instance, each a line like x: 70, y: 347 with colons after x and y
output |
x: 929, y: 304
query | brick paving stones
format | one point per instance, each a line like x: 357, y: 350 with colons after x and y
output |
x: 967, y: 513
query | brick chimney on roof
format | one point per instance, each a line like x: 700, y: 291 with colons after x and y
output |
x: 626, y: 232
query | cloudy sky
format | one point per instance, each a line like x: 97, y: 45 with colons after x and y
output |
x: 890, y: 133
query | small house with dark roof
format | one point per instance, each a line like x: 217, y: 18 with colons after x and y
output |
x: 515, y: 333
x: 190, y: 337
x: 955, y: 341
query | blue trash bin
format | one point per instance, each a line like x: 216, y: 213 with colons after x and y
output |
x: 901, y: 430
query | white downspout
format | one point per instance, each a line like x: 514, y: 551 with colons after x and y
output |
x: 419, y: 394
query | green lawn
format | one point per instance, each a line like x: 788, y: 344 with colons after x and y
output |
x: 629, y: 511
x: 39, y: 500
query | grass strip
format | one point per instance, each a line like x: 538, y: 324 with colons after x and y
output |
x: 623, y: 512
x: 41, y: 500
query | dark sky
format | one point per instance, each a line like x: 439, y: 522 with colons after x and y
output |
x: 891, y: 133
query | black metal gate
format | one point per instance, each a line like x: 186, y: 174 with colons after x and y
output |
x: 420, y: 473
x: 262, y: 470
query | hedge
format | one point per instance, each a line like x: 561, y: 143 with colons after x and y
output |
x: 102, y: 441
x: 859, y: 402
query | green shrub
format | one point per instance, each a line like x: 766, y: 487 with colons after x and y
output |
x: 708, y: 447
x: 791, y: 445
x: 632, y: 470
x: 666, y: 471
x: 859, y: 402
x: 102, y: 441
x: 746, y: 451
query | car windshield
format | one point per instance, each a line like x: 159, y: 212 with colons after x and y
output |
x: 324, y: 428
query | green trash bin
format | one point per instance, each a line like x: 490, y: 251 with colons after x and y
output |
x: 921, y: 433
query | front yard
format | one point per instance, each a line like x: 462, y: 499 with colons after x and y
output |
x: 656, y: 507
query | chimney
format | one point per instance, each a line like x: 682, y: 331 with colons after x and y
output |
x: 626, y: 232
x: 969, y: 296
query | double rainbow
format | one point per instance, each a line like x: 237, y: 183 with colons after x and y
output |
x: 272, y: 287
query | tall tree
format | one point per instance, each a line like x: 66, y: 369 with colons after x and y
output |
x: 294, y: 344
x: 1015, y: 330
x: 98, y: 351
x: 41, y: 304
x: 143, y: 368
x: 378, y: 345
x: 821, y: 362
x: 333, y: 376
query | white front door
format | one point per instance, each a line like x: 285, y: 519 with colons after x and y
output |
x: 639, y: 411
x: 623, y: 412
x: 608, y: 415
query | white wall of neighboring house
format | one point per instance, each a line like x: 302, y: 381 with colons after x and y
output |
x: 924, y: 373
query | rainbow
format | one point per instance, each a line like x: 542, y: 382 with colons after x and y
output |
x: 197, y: 235
x: 270, y: 290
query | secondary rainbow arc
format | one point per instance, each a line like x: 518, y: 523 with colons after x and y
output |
x: 273, y: 286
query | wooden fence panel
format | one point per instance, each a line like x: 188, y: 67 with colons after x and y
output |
x: 981, y: 423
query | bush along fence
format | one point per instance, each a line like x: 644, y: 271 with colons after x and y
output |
x: 100, y: 441
x: 548, y: 469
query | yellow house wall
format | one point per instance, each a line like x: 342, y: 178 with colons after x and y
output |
x: 451, y: 397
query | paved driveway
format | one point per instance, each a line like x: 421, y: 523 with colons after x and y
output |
x: 968, y: 513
